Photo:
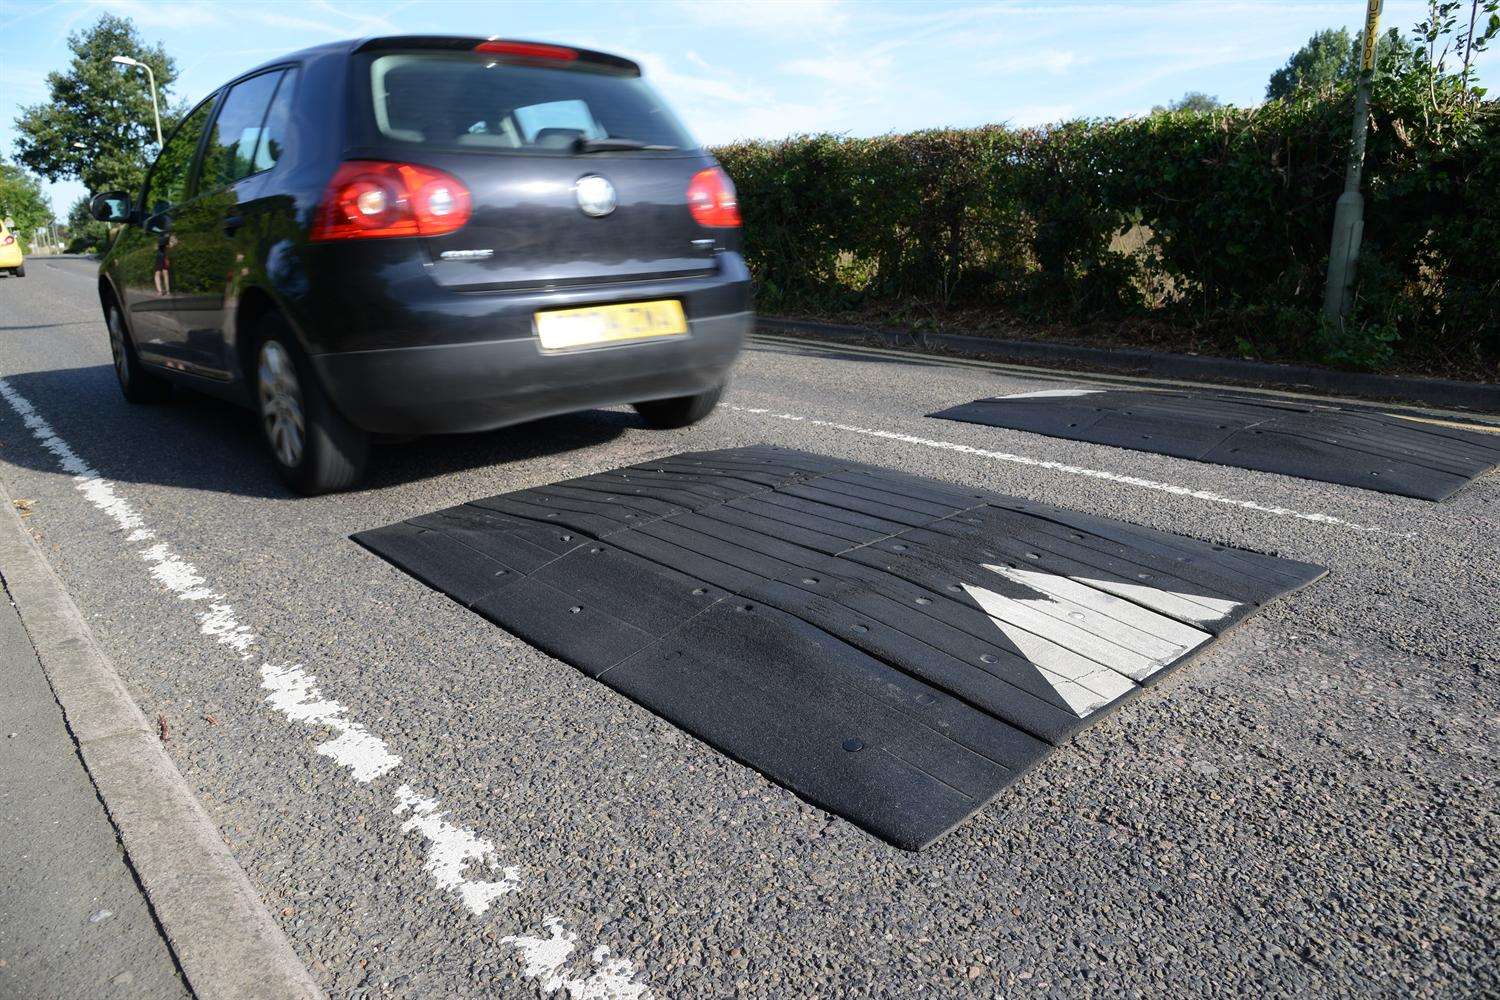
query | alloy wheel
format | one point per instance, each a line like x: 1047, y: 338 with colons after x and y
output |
x: 281, y: 403
x: 117, y: 347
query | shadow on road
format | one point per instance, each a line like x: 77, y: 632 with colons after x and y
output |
x: 196, y: 442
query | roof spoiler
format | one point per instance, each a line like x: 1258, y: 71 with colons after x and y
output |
x: 510, y: 50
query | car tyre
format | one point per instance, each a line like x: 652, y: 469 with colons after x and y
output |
x: 314, y: 448
x: 19, y: 272
x: 137, y: 384
x: 679, y: 411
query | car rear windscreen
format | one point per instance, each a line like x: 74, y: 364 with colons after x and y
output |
x: 467, y: 101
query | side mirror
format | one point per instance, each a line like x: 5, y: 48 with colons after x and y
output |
x: 111, y: 206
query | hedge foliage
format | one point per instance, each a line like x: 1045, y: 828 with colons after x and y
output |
x: 1218, y: 220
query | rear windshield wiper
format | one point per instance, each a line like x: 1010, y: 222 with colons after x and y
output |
x: 581, y: 145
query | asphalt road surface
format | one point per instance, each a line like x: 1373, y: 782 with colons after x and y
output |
x: 1308, y: 809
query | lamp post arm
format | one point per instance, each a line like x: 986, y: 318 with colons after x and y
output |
x: 155, y: 111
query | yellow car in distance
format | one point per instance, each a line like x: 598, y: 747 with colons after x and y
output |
x: 10, y: 251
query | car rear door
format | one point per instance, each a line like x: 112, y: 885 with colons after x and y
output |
x: 216, y: 227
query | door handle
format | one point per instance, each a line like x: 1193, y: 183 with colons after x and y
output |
x: 232, y: 222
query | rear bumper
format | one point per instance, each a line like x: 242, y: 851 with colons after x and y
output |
x: 10, y: 257
x: 477, y: 386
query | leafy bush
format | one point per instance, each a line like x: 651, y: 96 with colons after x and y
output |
x: 1231, y: 210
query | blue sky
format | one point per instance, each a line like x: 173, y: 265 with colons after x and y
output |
x: 764, y: 68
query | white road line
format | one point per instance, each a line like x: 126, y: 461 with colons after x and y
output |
x: 545, y: 957
x: 1074, y: 470
x: 459, y: 861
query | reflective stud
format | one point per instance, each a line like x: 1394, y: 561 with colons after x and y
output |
x: 853, y: 745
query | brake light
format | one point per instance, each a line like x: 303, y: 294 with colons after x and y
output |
x: 9, y: 239
x: 527, y: 50
x: 711, y: 197
x: 374, y: 199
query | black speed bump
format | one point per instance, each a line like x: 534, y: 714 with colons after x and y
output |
x: 891, y: 648
x: 1352, y: 447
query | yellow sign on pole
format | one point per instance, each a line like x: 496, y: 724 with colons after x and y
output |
x: 1372, y: 36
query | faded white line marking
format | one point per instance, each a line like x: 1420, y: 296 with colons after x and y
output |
x: 1075, y: 470
x: 295, y: 695
x: 546, y: 956
x: 452, y: 850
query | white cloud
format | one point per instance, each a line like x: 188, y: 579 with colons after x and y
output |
x: 1053, y: 61
x: 769, y: 16
x: 712, y: 85
x: 162, y: 15
x: 856, y: 72
x: 291, y: 22
x: 1041, y: 114
x: 720, y: 106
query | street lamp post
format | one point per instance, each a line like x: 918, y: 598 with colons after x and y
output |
x: 1349, y: 211
x: 151, y: 77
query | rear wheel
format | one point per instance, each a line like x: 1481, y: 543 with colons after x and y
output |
x: 138, y: 385
x: 679, y: 411
x: 19, y: 272
x: 315, y: 449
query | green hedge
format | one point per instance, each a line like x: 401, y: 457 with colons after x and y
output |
x: 1218, y: 221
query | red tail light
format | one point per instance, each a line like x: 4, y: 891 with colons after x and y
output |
x: 7, y: 241
x: 710, y: 195
x: 373, y: 199
x: 527, y: 50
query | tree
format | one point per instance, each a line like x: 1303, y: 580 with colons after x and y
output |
x: 98, y: 127
x: 1331, y: 59
x: 21, y: 199
x: 1320, y: 65
x: 1462, y: 38
x: 85, y: 233
x: 1193, y: 100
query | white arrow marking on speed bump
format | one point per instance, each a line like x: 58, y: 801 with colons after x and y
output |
x: 1090, y: 643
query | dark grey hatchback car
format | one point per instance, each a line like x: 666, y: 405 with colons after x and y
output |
x: 417, y: 235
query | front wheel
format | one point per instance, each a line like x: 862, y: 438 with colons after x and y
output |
x: 679, y: 411
x: 315, y: 449
x: 138, y: 385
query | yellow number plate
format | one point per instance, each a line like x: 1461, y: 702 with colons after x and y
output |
x: 566, y: 329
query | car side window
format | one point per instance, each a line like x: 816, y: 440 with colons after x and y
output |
x: 230, y: 153
x: 170, y: 173
x: 278, y: 124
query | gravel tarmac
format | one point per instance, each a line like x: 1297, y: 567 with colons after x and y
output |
x: 1308, y: 809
